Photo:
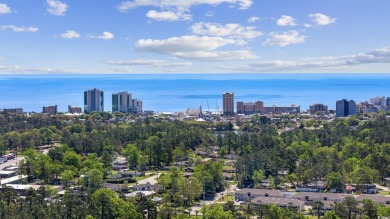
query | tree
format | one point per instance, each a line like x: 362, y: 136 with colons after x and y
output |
x: 370, y: 208
x: 189, y: 189
x: 67, y: 176
x: 275, y: 212
x: 258, y: 175
x: 72, y: 159
x: 102, y: 201
x: 217, y: 212
x: 345, y: 208
x: 317, y: 206
x: 330, y: 215
x: 335, y: 181
x: 93, y: 179
x: 133, y: 155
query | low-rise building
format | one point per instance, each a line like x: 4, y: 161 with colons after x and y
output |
x: 244, y: 194
x: 379, y: 199
x: 288, y: 203
x: 51, y: 110
x: 14, y: 110
x: 74, y: 109
x: 318, y: 108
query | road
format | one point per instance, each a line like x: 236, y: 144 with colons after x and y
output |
x: 17, y: 160
x: 382, y: 187
x: 231, y: 188
x: 152, y: 180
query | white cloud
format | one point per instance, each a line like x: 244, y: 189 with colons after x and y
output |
x: 228, y: 30
x: 194, y: 47
x: 38, y: 70
x: 168, y: 15
x: 150, y: 62
x: 322, y: 19
x: 105, y: 36
x: 18, y: 29
x: 70, y: 34
x: 379, y: 56
x: 253, y: 19
x: 284, y: 39
x: 56, y: 7
x: 286, y: 20
x: 181, y: 4
x: 4, y: 9
x: 123, y: 70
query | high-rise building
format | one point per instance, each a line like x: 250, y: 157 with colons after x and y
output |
x: 228, y: 103
x: 93, y: 101
x: 345, y: 108
x: 318, y: 107
x: 74, y: 109
x: 52, y: 110
x: 123, y: 102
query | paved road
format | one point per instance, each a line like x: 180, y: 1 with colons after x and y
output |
x: 152, y: 180
x: 382, y: 187
x: 17, y: 160
x: 231, y: 188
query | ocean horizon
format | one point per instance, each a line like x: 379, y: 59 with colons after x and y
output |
x: 177, y: 92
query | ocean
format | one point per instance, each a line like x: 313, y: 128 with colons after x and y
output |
x: 177, y: 92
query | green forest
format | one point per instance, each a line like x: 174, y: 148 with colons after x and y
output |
x: 354, y: 150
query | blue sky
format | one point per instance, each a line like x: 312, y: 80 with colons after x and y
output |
x: 194, y: 36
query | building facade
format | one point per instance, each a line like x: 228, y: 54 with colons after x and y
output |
x: 74, y: 109
x: 124, y: 102
x: 345, y: 108
x: 318, y: 107
x: 51, y: 110
x: 228, y: 103
x: 249, y: 107
x: 281, y: 109
x: 93, y: 101
x: 15, y: 110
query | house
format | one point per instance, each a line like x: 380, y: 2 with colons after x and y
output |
x: 244, y: 194
x: 146, y: 187
x: 280, y: 202
x: 116, y: 187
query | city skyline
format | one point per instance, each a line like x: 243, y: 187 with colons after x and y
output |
x: 208, y: 36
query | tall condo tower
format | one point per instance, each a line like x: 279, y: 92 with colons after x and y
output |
x: 93, y: 100
x: 345, y: 108
x: 124, y: 102
x: 228, y: 103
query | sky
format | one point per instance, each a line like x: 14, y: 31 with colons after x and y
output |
x: 194, y: 36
